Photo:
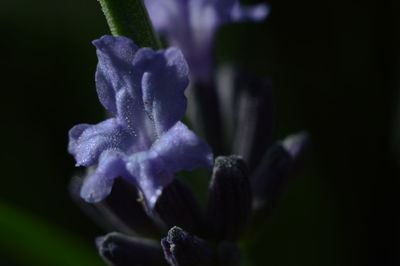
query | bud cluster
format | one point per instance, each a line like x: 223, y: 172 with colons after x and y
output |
x: 189, y: 234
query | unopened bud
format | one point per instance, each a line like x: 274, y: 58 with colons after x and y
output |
x: 229, y: 203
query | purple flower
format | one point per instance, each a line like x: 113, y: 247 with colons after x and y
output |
x: 191, y: 25
x: 144, y: 143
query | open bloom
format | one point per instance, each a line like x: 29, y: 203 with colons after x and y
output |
x: 191, y: 25
x: 144, y: 143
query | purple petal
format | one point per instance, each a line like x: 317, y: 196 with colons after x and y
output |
x: 181, y: 149
x: 118, y: 80
x: 132, y: 115
x: 149, y: 174
x: 177, y: 149
x: 74, y: 134
x: 98, y: 184
x: 87, y: 142
x: 164, y: 83
x: 115, y: 69
x: 154, y: 80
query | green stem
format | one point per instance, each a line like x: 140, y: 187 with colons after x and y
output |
x: 129, y: 18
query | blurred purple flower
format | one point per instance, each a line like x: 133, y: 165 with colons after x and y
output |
x: 144, y: 143
x: 191, y: 25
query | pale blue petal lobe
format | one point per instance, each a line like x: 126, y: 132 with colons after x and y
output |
x: 114, y: 69
x: 94, y: 139
x: 163, y: 89
x: 98, y: 184
x: 181, y: 149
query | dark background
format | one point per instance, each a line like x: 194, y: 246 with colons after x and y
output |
x: 335, y: 68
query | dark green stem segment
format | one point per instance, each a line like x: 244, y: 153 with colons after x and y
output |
x: 129, y: 18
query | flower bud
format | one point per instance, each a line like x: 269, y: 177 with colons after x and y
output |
x: 183, y: 249
x: 276, y: 169
x: 178, y: 206
x: 254, y: 125
x: 229, y: 203
x: 121, y: 250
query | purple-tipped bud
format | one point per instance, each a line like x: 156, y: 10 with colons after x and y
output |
x: 229, y: 202
x: 178, y: 206
x: 276, y: 169
x: 271, y: 176
x: 183, y: 249
x: 254, y: 124
x: 296, y: 145
x: 121, y: 250
x: 121, y: 211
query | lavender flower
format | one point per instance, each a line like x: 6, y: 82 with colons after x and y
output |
x: 192, y: 24
x: 144, y: 143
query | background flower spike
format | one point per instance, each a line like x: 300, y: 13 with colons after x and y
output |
x: 255, y: 111
x: 183, y: 249
x: 275, y: 170
x: 121, y: 250
x: 192, y: 25
x: 229, y: 203
x: 121, y: 211
x: 204, y: 112
x: 178, y: 206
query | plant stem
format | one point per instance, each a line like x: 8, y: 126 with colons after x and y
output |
x: 129, y: 18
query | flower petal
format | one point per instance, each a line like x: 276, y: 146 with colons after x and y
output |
x: 180, y: 149
x: 74, y: 134
x: 98, y: 184
x: 163, y: 84
x: 149, y: 175
x: 87, y: 142
x: 115, y: 69
x: 132, y: 115
x: 155, y: 81
x: 177, y: 149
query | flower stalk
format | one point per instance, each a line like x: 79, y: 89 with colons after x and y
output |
x: 129, y: 18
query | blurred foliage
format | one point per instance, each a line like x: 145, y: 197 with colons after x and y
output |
x: 31, y: 241
x: 335, y: 67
